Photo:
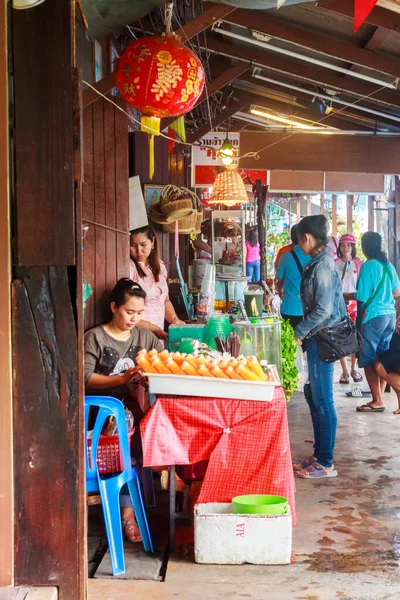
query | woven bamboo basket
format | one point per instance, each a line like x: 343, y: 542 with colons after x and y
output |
x: 190, y: 224
x: 156, y: 215
x: 176, y: 203
x: 228, y: 187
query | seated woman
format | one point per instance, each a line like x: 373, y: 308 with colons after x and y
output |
x: 110, y: 367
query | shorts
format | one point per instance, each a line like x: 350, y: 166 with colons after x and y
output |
x: 376, y: 336
x: 390, y: 361
x: 351, y: 307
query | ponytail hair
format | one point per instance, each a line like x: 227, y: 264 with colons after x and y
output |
x: 123, y: 288
x: 315, y: 225
x: 154, y: 258
x: 371, y: 243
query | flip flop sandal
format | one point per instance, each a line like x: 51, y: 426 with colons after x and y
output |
x: 356, y: 376
x: 358, y: 393
x: 367, y: 408
x: 300, y: 466
x: 316, y: 471
x: 344, y: 378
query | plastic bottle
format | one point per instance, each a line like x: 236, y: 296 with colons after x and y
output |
x: 130, y: 421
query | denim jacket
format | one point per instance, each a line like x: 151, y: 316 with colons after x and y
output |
x: 321, y: 296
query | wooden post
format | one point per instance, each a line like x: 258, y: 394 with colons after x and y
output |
x: 309, y: 208
x: 6, y: 423
x: 349, y: 199
x: 334, y: 215
x: 322, y: 204
x: 261, y: 196
x: 371, y: 213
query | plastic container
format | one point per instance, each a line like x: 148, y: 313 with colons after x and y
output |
x: 199, y: 269
x: 254, y: 300
x: 108, y: 453
x: 217, y: 325
x: 260, y: 504
x: 261, y: 339
x: 182, y: 333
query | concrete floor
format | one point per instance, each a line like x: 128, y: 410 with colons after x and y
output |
x: 347, y: 541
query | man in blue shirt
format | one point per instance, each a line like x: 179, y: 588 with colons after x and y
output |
x: 288, y: 274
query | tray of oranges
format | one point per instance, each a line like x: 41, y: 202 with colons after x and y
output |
x: 226, y: 377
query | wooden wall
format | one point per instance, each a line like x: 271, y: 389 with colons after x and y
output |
x: 106, y: 203
x: 48, y: 434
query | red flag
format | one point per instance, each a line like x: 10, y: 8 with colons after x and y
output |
x: 362, y: 8
x: 171, y: 143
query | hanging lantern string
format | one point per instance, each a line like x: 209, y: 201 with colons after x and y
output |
x: 254, y: 155
x: 169, y: 9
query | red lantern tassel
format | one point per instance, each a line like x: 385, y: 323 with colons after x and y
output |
x: 151, y: 125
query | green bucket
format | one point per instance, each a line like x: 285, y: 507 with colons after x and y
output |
x: 260, y: 504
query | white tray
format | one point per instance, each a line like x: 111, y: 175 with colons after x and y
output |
x: 211, y: 387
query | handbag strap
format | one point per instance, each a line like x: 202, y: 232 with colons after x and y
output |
x: 296, y: 258
x: 380, y: 284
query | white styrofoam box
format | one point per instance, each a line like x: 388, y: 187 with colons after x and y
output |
x: 210, y: 387
x: 224, y: 538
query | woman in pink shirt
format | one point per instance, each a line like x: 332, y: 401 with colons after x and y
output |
x: 149, y: 271
x: 252, y: 256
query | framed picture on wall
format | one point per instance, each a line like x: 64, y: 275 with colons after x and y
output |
x: 97, y: 61
x: 152, y: 193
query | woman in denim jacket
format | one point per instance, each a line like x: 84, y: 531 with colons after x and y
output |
x: 323, y: 305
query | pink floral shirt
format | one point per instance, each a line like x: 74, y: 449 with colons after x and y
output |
x: 157, y: 292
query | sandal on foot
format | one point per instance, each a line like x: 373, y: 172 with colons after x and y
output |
x: 316, y: 471
x: 358, y: 393
x: 344, y: 378
x: 357, y: 377
x: 368, y: 408
x: 130, y: 530
x: 299, y: 466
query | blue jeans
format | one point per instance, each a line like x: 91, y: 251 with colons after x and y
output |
x: 319, y: 396
x: 253, y: 271
x: 376, y: 335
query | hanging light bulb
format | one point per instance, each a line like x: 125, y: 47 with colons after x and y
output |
x: 227, y: 152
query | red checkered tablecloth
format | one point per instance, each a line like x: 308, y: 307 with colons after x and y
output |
x: 246, y: 442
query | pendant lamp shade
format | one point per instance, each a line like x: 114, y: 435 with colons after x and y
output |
x: 22, y: 4
x: 228, y: 189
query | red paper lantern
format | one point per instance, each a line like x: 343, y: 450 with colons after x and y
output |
x: 160, y: 77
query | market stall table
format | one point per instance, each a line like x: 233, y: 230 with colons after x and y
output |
x: 246, y: 442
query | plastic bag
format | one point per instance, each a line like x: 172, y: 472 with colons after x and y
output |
x: 302, y: 367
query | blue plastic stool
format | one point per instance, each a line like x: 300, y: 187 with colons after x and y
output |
x: 110, y: 485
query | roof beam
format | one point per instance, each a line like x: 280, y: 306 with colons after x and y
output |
x: 314, y: 41
x: 238, y: 104
x: 305, y: 73
x: 215, y: 85
x: 211, y: 14
x: 377, y: 38
x: 380, y: 17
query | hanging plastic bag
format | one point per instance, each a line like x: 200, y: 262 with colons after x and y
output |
x: 302, y: 367
x: 207, y: 293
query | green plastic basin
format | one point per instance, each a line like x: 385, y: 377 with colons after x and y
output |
x: 260, y: 504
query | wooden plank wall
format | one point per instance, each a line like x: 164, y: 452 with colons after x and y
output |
x: 105, y: 202
x: 47, y: 440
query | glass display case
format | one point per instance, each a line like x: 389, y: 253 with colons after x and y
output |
x: 261, y: 339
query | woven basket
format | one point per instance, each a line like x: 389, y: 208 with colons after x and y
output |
x: 228, y: 187
x: 156, y: 215
x: 189, y: 224
x: 176, y: 203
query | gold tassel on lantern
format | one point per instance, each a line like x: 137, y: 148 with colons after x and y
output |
x: 151, y: 125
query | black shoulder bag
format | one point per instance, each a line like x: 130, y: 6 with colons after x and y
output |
x: 337, y: 341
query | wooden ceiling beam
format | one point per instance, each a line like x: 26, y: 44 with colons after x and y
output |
x: 314, y: 41
x: 380, y: 17
x: 313, y: 152
x: 377, y: 38
x: 211, y: 14
x: 305, y: 73
x: 215, y: 85
x: 235, y: 106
